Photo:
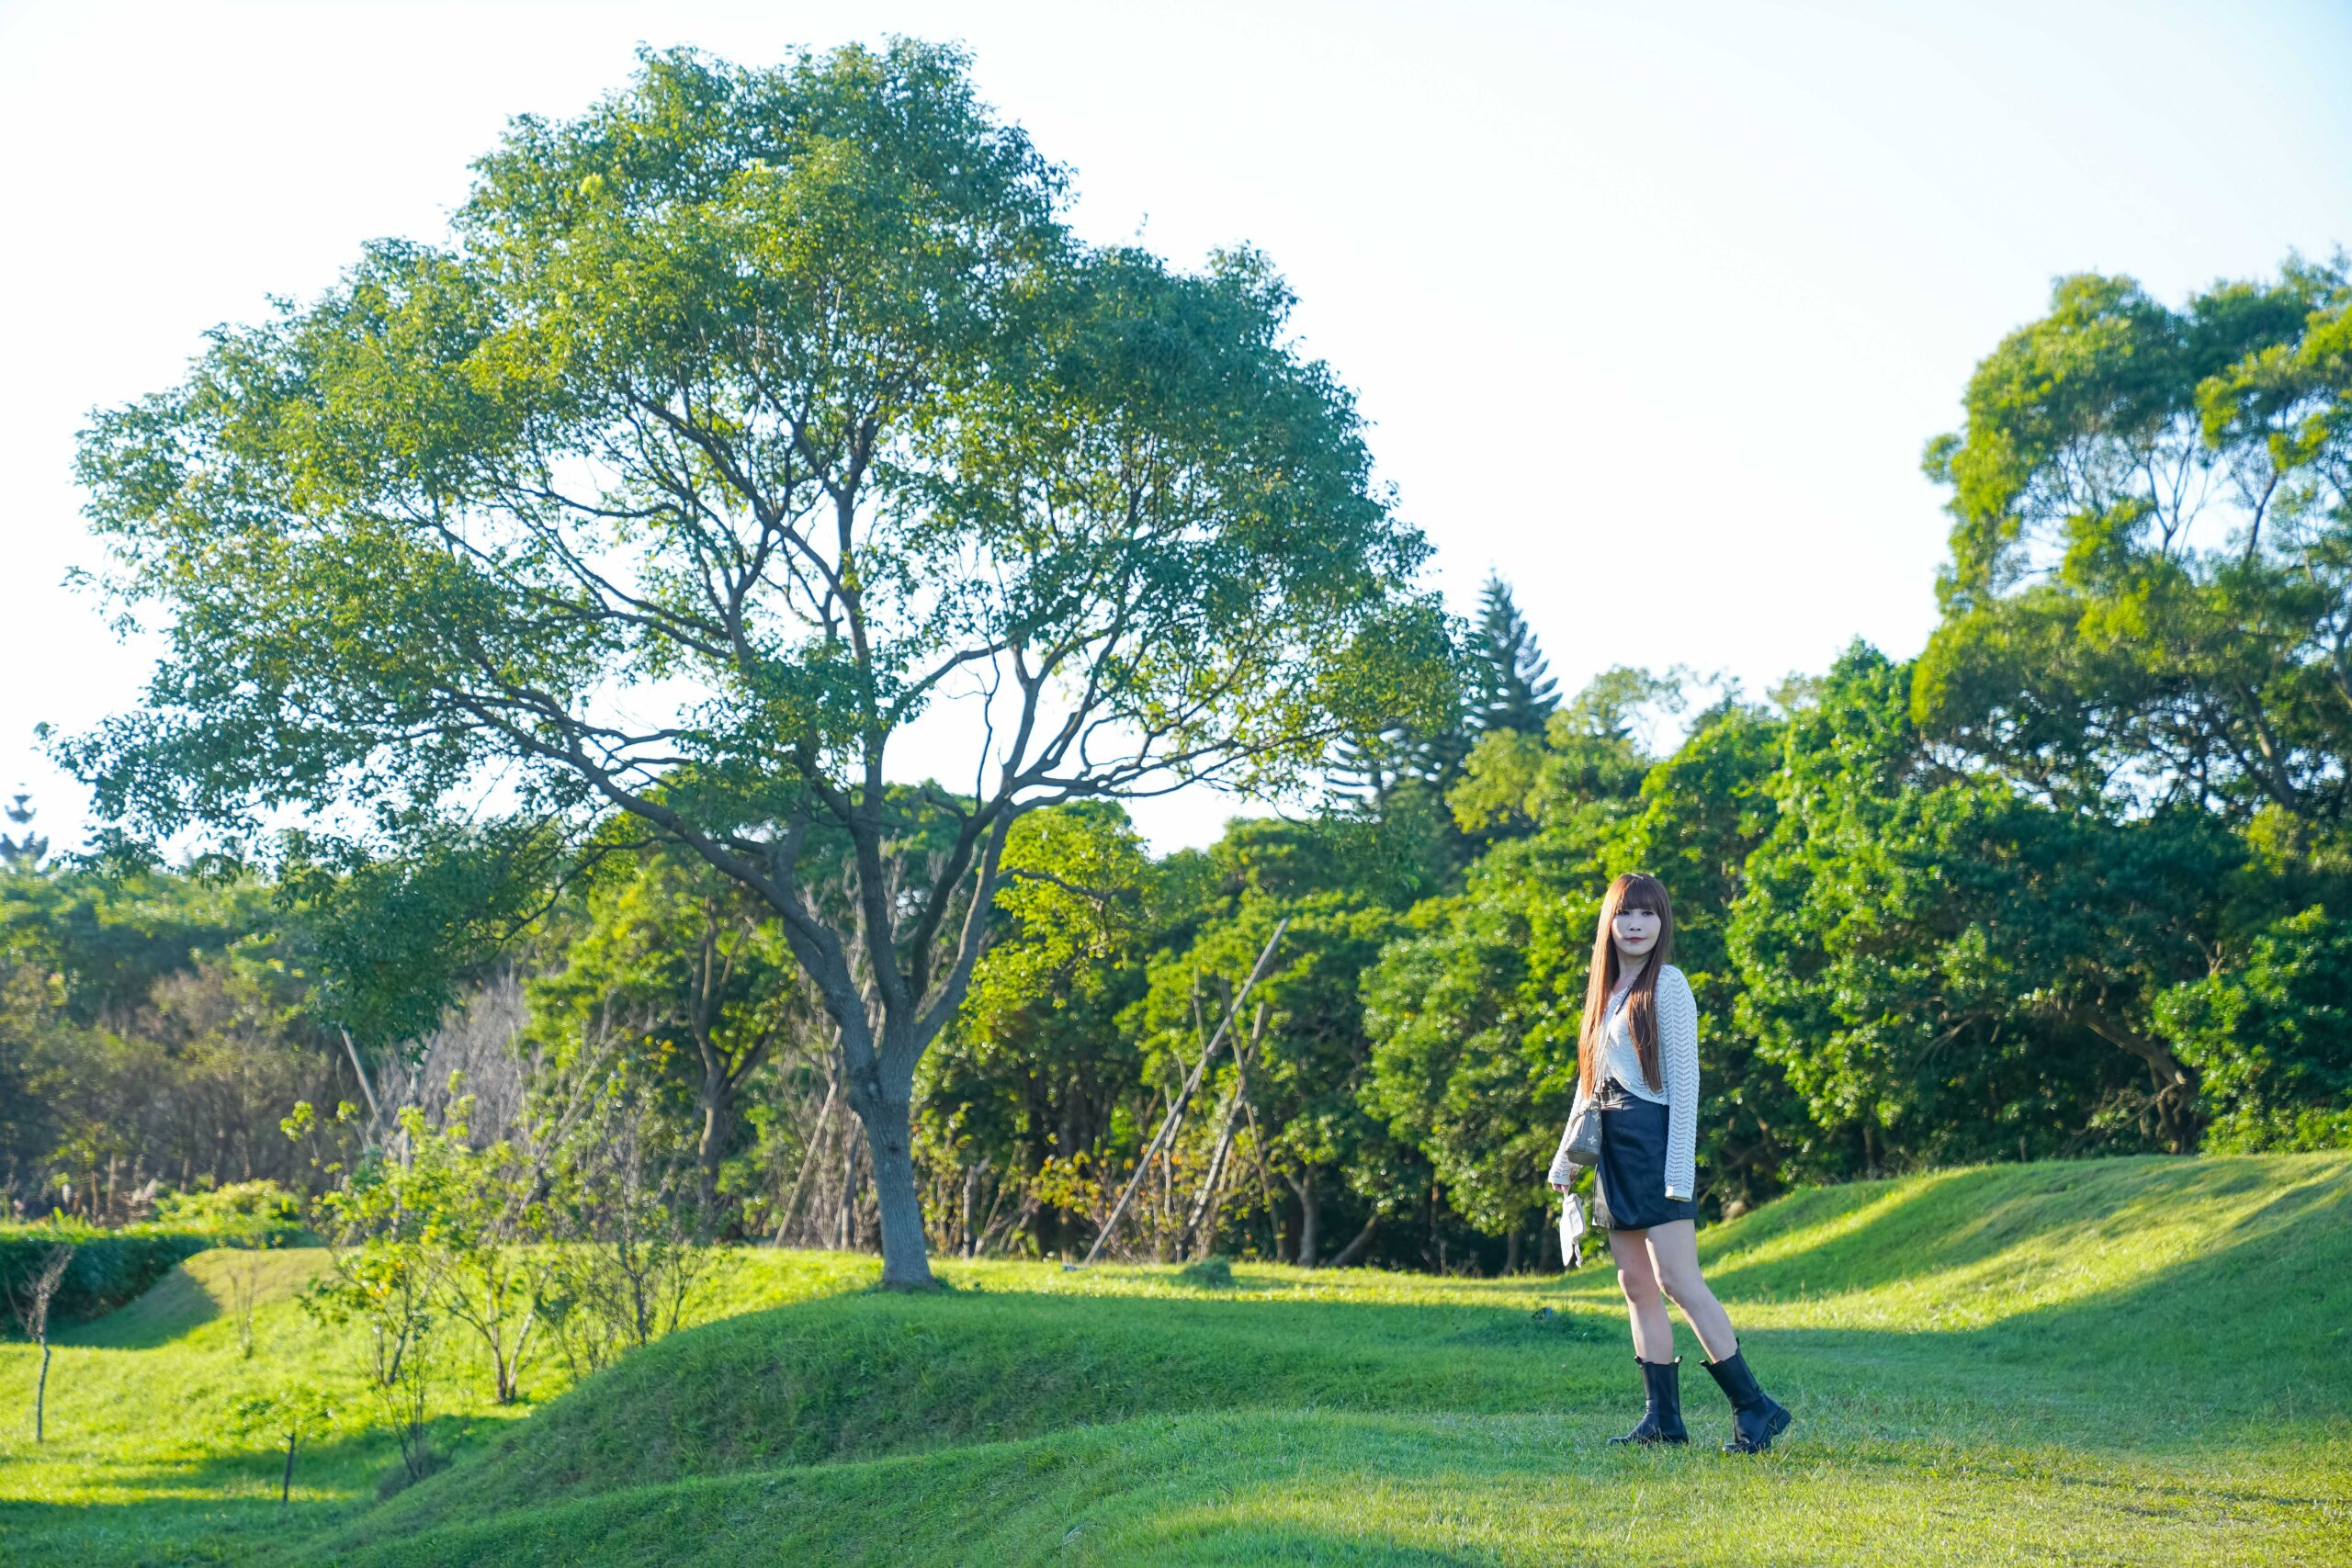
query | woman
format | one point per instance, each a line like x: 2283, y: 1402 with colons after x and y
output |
x: 1638, y: 1060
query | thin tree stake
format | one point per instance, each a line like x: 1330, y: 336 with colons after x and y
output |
x: 1176, y: 1110
x: 1265, y: 1182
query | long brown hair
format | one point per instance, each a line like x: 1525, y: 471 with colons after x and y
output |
x: 1634, y: 890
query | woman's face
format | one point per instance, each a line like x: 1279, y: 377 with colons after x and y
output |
x: 1635, y: 932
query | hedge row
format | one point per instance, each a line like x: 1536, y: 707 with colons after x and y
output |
x: 110, y: 1267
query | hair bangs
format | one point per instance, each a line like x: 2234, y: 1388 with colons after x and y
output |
x: 1637, y: 890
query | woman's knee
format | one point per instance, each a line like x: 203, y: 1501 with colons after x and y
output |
x: 1639, y: 1285
x: 1683, y: 1285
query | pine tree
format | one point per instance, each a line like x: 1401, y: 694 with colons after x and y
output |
x: 1370, y: 769
x: 1509, y: 685
x: 1367, y: 768
x: 22, y: 853
x: 1506, y: 686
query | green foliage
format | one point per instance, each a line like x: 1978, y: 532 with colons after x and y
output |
x: 1295, y: 1105
x: 100, y: 938
x: 1471, y: 1065
x: 1478, y: 1014
x: 2152, y: 551
x: 787, y: 389
x: 259, y: 1213
x: 1585, y: 773
x: 1510, y: 689
x: 394, y: 937
x: 1702, y: 814
x: 2271, y: 1039
x: 22, y: 851
x: 791, y: 391
x: 150, y: 1021
x: 394, y: 1224
x: 1037, y: 1066
x: 694, y: 971
x: 1945, y: 969
x: 293, y: 1410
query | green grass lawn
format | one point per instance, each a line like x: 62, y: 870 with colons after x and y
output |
x: 2102, y: 1362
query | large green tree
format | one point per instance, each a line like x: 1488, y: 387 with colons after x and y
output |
x: 1511, y: 686
x: 1312, y: 1054
x: 153, y: 1025
x: 2149, y: 595
x: 1473, y: 1059
x: 1701, y: 813
x: 739, y: 422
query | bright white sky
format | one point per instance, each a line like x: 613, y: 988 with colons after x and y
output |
x: 1652, y: 307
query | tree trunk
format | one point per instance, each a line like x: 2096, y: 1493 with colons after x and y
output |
x: 2175, y: 1082
x: 889, y: 1144
x: 809, y: 1158
x: 286, y: 1483
x: 1310, y: 1220
x: 1511, y: 1242
x: 41, y: 1392
x: 1431, y: 1255
x: 1357, y: 1247
x: 844, y: 1213
x: 713, y: 1129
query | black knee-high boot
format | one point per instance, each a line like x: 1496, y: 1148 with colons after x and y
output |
x: 1756, y: 1417
x: 1661, y: 1422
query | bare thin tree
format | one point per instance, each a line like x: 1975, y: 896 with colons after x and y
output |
x: 31, y: 1297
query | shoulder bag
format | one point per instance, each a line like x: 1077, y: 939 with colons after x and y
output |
x: 1579, y: 1143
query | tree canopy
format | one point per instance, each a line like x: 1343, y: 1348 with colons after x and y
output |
x: 739, y: 422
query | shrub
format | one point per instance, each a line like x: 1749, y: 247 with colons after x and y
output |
x: 260, y: 1212
x: 109, y: 1268
x: 2271, y: 1040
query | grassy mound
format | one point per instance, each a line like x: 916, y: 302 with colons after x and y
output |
x: 1994, y: 1325
x: 1422, y: 1490
x: 2098, y: 1361
x: 872, y: 1374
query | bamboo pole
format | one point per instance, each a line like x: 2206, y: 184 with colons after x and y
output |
x: 1176, y: 1110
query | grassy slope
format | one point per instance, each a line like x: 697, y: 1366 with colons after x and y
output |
x: 144, y: 1462
x: 2109, y: 1361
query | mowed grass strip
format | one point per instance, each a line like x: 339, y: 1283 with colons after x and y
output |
x: 2108, y: 1361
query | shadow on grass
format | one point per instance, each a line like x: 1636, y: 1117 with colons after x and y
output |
x: 221, y: 1506
x: 1310, y: 1486
x: 200, y: 1289
x: 1320, y: 1547
x: 169, y: 1309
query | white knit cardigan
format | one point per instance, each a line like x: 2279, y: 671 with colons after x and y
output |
x: 1677, y: 1051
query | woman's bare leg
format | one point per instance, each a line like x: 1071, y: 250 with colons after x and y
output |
x: 1652, y: 1330
x: 1674, y: 1268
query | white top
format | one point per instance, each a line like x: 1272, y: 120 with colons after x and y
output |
x: 1678, y: 1053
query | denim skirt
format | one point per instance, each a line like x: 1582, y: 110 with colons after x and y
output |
x: 1631, y: 1169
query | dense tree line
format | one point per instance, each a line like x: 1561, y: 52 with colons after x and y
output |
x: 1903, y: 960
x: 2078, y: 877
